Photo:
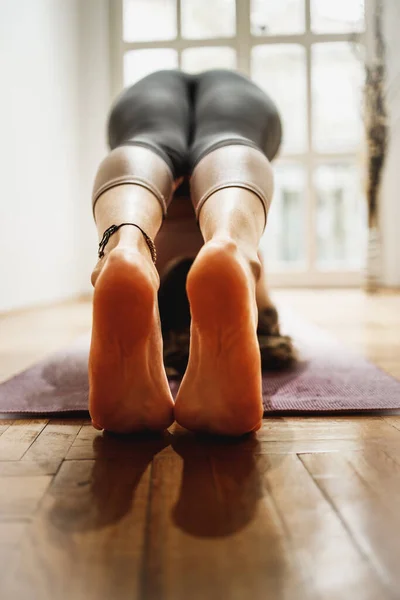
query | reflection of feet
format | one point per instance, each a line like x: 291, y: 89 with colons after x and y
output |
x: 221, y: 390
x: 128, y: 387
x: 220, y: 485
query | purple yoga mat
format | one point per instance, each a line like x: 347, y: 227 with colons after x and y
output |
x: 329, y: 377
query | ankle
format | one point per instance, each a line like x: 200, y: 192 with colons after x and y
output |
x: 125, y: 238
x: 245, y: 250
x: 225, y: 241
x: 126, y: 255
x: 120, y: 245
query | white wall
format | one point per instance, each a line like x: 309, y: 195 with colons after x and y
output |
x: 390, y: 198
x: 94, y: 103
x: 54, y: 98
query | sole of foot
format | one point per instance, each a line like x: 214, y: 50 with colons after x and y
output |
x: 221, y: 390
x: 128, y: 387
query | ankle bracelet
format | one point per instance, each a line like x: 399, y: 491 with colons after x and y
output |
x: 108, y: 233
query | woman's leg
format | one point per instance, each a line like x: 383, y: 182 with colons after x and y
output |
x: 231, y: 187
x: 148, y: 133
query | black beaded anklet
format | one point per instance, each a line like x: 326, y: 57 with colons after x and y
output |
x: 108, y: 233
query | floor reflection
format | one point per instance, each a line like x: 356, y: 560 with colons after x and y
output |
x: 220, y: 485
x: 91, y: 495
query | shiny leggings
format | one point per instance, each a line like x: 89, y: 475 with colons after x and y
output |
x: 183, y: 117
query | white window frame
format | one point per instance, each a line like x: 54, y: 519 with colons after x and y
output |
x: 243, y: 42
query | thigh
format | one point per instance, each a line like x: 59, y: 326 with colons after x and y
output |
x: 155, y: 112
x: 231, y: 109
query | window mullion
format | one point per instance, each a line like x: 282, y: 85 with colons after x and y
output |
x: 115, y: 9
x: 243, y: 36
x: 180, y: 43
x: 179, y: 31
x: 298, y: 38
x: 311, y: 194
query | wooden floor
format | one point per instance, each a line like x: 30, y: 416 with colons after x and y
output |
x: 309, y: 508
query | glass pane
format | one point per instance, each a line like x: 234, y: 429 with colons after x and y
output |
x: 337, y: 16
x: 149, y: 20
x: 195, y: 60
x: 202, y: 21
x: 341, y: 217
x: 279, y: 69
x: 337, y: 81
x: 276, y: 18
x: 139, y: 63
x: 283, y: 241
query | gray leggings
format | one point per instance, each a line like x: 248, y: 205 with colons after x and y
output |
x: 183, y: 117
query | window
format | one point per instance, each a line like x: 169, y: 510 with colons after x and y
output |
x: 308, y: 56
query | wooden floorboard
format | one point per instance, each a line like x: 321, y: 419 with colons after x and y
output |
x: 19, y: 437
x: 371, y: 525
x: 87, y: 538
x: 312, y: 523
x: 305, y: 509
x: 54, y: 441
x: 214, y: 531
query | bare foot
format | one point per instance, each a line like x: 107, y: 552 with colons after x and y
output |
x: 221, y: 389
x: 128, y: 387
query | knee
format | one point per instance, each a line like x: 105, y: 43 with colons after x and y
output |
x: 232, y: 166
x: 138, y: 166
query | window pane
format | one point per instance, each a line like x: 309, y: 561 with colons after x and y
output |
x: 280, y: 70
x: 275, y: 18
x: 195, y: 60
x: 149, y: 20
x: 341, y: 217
x: 139, y: 63
x: 283, y: 243
x: 201, y: 21
x: 337, y: 16
x: 337, y: 80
